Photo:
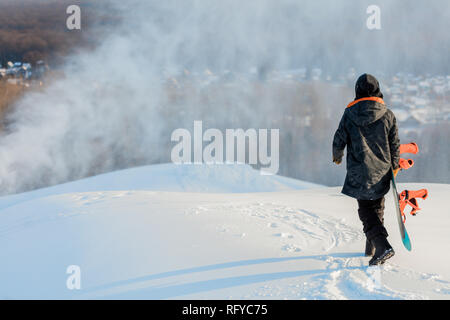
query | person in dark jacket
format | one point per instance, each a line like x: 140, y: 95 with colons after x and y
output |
x: 369, y: 131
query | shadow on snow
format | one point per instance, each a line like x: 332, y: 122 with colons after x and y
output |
x: 167, y: 292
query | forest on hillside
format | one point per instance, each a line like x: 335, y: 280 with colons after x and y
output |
x: 36, y: 30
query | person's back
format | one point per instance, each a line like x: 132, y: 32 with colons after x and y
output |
x: 369, y: 130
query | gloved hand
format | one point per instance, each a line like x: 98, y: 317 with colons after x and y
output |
x: 405, y: 164
x: 337, y: 161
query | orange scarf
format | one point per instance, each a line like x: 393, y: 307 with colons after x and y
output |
x: 376, y: 99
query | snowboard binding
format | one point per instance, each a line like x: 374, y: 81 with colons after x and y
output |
x: 408, y: 197
x: 411, y: 147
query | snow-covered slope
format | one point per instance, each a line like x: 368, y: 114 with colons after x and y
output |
x: 138, y: 243
x: 230, y: 178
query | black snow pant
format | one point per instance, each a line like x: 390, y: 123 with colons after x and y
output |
x: 371, y: 214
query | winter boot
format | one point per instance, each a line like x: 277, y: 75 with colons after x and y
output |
x: 370, y: 249
x: 383, y: 250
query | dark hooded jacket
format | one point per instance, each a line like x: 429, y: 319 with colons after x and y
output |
x: 369, y: 130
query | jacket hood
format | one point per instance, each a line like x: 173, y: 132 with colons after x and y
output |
x: 365, y: 112
x: 367, y: 86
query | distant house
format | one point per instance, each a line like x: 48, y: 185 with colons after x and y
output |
x: 412, y: 89
x: 299, y: 74
x: 10, y: 69
x: 420, y: 102
x: 425, y: 85
x: 40, y: 69
x: 17, y: 70
x: 439, y: 89
x: 24, y: 71
x: 316, y: 73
